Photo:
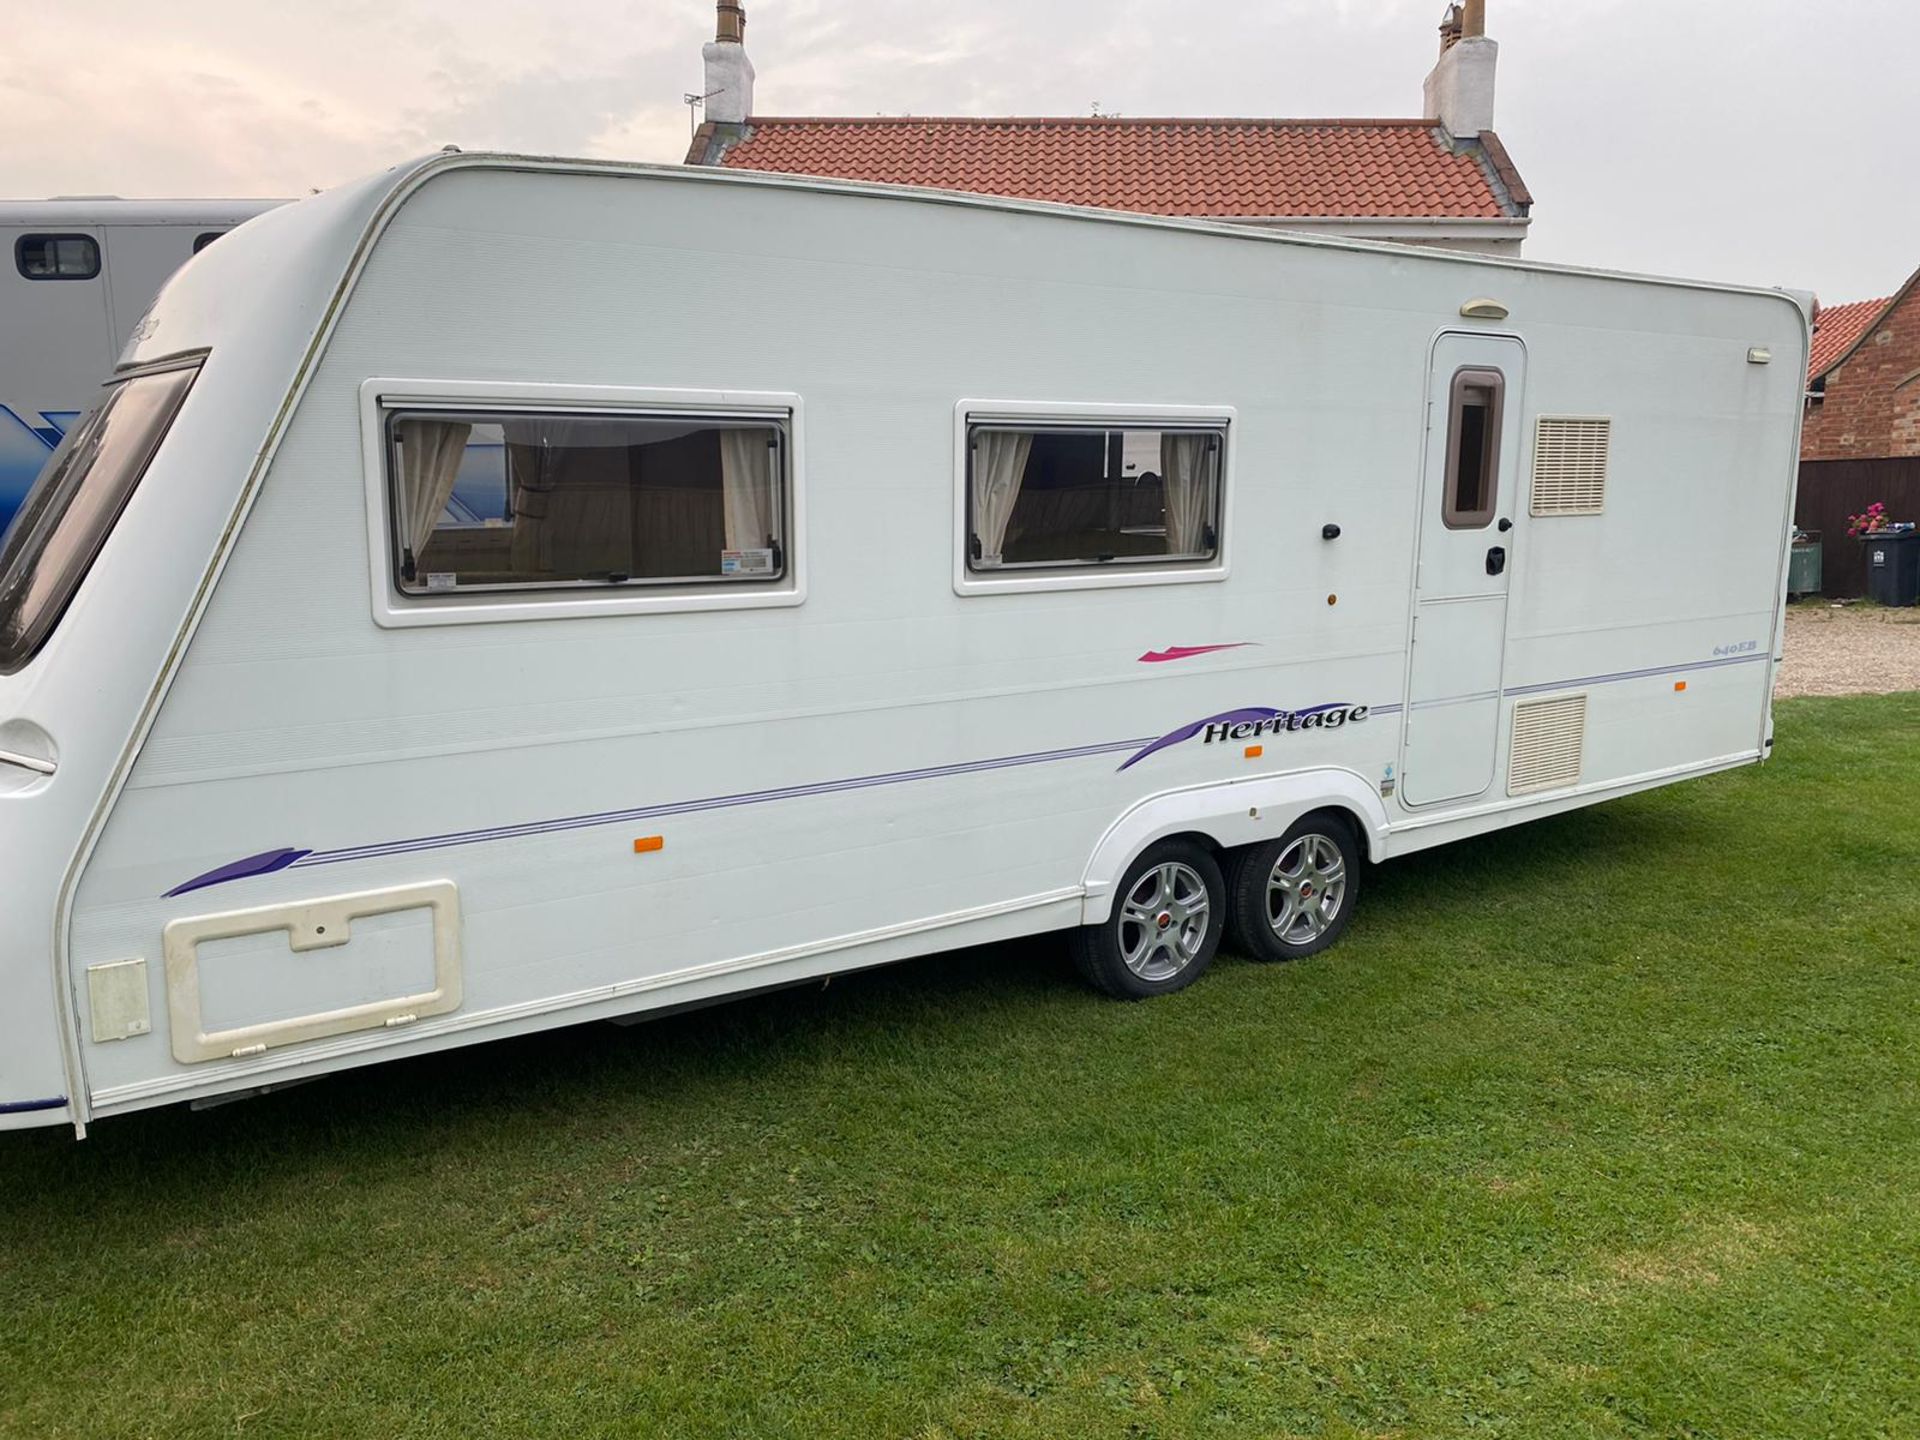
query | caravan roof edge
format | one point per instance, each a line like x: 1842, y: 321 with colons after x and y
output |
x: 408, y: 177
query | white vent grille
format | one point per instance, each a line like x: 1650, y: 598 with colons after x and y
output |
x: 1570, y: 464
x: 1548, y: 736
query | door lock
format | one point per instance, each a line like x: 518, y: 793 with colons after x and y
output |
x: 1496, y: 559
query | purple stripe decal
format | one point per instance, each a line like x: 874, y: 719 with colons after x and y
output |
x: 1582, y: 680
x: 271, y: 861
x: 1457, y: 699
x: 686, y: 807
x: 1638, y: 674
x: 22, y: 1107
x: 264, y: 863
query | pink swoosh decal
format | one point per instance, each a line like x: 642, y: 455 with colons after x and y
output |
x: 1187, y: 652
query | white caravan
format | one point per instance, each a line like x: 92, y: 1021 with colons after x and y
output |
x: 83, y: 272
x: 873, y: 572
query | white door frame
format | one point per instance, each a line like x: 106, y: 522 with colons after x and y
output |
x: 1466, y: 716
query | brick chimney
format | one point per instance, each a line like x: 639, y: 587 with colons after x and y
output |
x: 1459, y: 88
x: 729, y: 87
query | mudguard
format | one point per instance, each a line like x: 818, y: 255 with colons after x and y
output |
x: 1230, y: 813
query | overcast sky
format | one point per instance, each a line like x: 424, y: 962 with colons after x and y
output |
x: 1770, y: 141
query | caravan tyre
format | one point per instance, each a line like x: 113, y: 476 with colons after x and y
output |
x: 1292, y: 897
x: 1169, y: 911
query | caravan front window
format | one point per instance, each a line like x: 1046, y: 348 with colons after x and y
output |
x: 488, y: 499
x: 72, y: 507
x: 1043, y: 495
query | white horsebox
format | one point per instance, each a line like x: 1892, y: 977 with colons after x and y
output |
x: 843, y: 573
x: 83, y: 272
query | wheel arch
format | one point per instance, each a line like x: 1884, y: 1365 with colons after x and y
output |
x: 1227, y: 815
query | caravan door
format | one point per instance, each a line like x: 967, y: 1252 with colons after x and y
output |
x: 1469, y: 487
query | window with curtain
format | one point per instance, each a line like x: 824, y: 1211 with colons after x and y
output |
x: 495, y: 500
x: 1043, y: 495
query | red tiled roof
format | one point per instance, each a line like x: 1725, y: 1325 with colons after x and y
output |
x: 1836, y: 328
x: 1269, y: 168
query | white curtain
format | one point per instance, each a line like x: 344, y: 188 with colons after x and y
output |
x: 999, y: 462
x: 1184, y: 463
x: 746, y: 474
x: 430, y: 455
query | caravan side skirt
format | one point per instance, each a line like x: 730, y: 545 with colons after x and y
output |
x: 1409, y: 836
x: 1027, y: 915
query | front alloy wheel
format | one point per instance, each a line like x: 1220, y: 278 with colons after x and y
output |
x: 1164, y: 921
x: 1168, y: 914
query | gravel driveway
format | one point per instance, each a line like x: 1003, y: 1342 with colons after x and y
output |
x: 1850, y: 650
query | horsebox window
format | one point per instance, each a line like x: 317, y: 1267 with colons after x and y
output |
x: 57, y: 257
x: 488, y: 500
x: 1045, y: 496
x: 1473, y: 448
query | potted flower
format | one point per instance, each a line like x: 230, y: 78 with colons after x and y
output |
x: 1875, y: 519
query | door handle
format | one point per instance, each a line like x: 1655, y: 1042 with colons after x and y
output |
x: 1496, y: 559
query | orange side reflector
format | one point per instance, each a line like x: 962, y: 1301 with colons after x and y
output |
x: 1679, y: 685
x: 648, y: 842
x: 1254, y: 752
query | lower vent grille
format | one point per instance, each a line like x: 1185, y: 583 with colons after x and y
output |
x: 1548, y: 737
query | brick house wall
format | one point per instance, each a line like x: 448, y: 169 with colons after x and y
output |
x: 1871, y: 406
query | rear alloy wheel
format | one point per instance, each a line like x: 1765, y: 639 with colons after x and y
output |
x: 1292, y: 897
x: 1168, y: 914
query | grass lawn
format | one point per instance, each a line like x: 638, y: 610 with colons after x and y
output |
x: 1607, y: 1126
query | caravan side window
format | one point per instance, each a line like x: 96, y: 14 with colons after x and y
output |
x: 1043, y: 495
x: 1473, y: 448
x: 490, y: 500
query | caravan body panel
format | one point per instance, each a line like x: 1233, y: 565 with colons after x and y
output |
x: 682, y: 791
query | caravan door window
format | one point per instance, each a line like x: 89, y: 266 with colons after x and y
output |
x: 488, y: 500
x: 1473, y: 448
x: 1046, y: 495
x: 72, y: 507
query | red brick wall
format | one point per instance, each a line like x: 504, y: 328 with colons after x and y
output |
x: 1872, y: 404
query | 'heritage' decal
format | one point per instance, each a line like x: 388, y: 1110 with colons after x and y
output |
x: 1255, y: 721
